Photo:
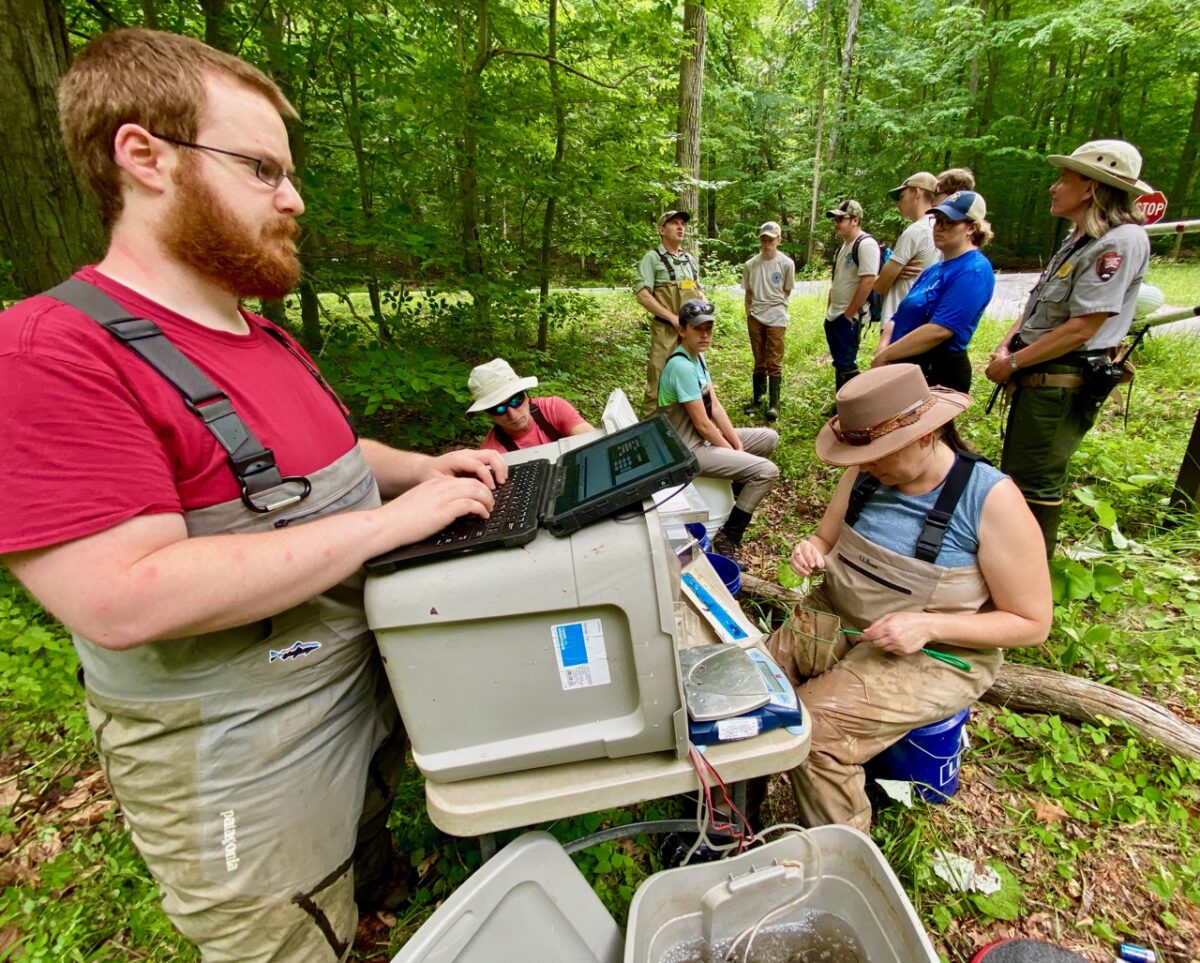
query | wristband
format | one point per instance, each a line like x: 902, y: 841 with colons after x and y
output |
x: 1012, y: 363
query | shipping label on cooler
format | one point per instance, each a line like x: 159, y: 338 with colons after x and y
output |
x: 582, y: 657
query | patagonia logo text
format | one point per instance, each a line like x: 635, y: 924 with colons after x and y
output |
x: 229, y: 840
x: 293, y: 651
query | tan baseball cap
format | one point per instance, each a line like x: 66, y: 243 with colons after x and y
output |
x: 770, y: 229
x: 921, y: 179
x: 671, y: 215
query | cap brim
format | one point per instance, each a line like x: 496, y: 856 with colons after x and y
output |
x: 493, y: 398
x: 836, y: 213
x: 947, y: 406
x: 951, y: 212
x: 1138, y: 187
x: 895, y: 192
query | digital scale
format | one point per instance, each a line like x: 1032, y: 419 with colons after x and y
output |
x: 734, y: 693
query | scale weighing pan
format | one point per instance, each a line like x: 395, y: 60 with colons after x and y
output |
x: 720, y: 681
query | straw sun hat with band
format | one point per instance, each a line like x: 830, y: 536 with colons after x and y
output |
x: 883, y: 410
x: 1113, y: 162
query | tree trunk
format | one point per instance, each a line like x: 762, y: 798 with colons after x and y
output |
x: 1030, y: 689
x: 560, y: 141
x: 852, y: 11
x: 216, y: 29
x: 474, y: 266
x: 822, y: 69
x: 1185, y: 176
x: 691, y: 99
x: 48, y: 223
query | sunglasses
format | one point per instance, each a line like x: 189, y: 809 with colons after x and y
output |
x: 514, y: 402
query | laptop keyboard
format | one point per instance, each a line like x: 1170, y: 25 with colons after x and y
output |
x: 513, y: 521
x: 515, y: 511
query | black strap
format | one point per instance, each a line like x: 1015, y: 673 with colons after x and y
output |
x: 263, y: 488
x: 933, y: 530
x: 687, y: 259
x: 929, y: 543
x: 543, y: 422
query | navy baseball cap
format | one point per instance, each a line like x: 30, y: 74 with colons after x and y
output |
x: 963, y: 206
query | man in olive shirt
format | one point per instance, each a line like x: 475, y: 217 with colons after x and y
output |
x: 667, y: 276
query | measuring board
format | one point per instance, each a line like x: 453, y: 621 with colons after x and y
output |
x: 712, y: 600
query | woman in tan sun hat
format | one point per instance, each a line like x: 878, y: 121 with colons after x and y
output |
x: 923, y: 544
x: 1054, y: 359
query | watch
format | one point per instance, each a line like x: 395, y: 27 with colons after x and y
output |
x: 1012, y: 363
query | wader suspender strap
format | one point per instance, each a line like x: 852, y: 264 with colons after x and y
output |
x: 253, y: 465
x: 687, y: 258
x: 929, y: 543
x: 707, y: 398
x: 543, y: 422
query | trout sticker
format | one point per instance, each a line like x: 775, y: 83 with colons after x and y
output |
x: 1107, y: 265
x: 293, y: 651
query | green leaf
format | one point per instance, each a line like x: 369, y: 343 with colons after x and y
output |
x: 1005, y: 903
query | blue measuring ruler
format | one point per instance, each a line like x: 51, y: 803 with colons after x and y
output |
x: 728, y: 623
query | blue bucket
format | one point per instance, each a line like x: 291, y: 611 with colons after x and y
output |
x: 727, y: 571
x: 700, y: 534
x: 930, y: 757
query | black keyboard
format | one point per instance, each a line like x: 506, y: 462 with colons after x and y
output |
x: 513, y: 521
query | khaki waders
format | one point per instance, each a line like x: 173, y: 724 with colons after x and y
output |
x: 663, y: 337
x: 861, y: 699
x: 253, y: 761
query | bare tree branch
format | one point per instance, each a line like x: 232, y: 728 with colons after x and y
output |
x: 510, y: 52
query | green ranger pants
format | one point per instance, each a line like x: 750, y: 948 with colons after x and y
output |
x: 1045, y: 427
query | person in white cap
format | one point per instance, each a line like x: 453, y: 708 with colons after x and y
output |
x: 667, y: 276
x: 914, y: 250
x: 768, y: 278
x: 1055, y: 357
x: 518, y: 420
x: 928, y: 553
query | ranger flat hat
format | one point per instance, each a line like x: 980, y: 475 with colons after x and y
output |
x: 1113, y: 162
x: 671, y: 215
x: 495, y: 382
x: 922, y: 179
x: 881, y: 411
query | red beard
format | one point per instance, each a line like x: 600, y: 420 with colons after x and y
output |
x: 206, y: 236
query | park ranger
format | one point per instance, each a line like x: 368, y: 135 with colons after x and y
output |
x: 667, y: 276
x: 186, y: 493
x: 1056, y: 358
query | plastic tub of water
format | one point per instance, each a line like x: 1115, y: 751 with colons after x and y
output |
x: 930, y: 757
x: 697, y: 531
x: 854, y: 908
x: 727, y: 571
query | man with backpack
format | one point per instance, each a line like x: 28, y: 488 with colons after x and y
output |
x: 854, y: 271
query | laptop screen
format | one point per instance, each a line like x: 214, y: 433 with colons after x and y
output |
x: 616, y: 462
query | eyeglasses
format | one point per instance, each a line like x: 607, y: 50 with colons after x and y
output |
x: 266, y: 170
x: 514, y: 402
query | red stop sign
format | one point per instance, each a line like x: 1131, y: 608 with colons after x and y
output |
x: 1154, y: 206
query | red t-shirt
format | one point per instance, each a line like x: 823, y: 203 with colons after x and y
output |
x: 91, y: 435
x: 557, y: 411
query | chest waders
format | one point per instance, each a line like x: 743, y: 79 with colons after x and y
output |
x: 542, y: 421
x: 663, y: 337
x: 861, y: 698
x: 245, y: 760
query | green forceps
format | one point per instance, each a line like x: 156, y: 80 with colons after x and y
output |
x: 946, y: 657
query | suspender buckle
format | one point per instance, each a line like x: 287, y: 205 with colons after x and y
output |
x: 272, y: 499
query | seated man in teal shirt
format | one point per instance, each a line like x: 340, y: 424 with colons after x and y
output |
x: 687, y: 397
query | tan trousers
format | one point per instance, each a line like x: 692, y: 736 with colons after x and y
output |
x: 752, y: 466
x: 766, y: 344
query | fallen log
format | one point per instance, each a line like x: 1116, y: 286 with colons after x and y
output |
x: 1030, y: 689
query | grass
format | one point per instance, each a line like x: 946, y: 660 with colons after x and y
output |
x: 1096, y: 831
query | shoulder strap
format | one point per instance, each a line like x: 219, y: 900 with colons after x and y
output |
x: 666, y: 264
x: 264, y: 489
x: 543, y: 422
x: 864, y: 487
x: 504, y: 438
x: 863, y: 235
x: 929, y: 543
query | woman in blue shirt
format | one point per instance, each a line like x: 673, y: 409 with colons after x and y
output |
x: 934, y: 323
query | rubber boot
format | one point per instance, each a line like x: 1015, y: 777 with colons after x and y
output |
x: 776, y: 381
x: 729, y: 539
x: 1047, y: 518
x: 839, y: 379
x: 760, y: 388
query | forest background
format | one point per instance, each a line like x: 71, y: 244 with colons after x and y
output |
x: 465, y: 165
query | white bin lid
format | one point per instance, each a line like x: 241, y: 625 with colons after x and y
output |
x: 528, y: 902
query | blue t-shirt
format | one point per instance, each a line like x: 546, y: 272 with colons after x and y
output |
x: 952, y: 294
x: 894, y: 520
x: 683, y: 379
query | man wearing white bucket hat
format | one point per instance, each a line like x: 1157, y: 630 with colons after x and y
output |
x: 923, y: 544
x: 519, y: 421
x: 1056, y: 360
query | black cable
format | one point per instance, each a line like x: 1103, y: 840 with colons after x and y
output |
x: 653, y: 505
